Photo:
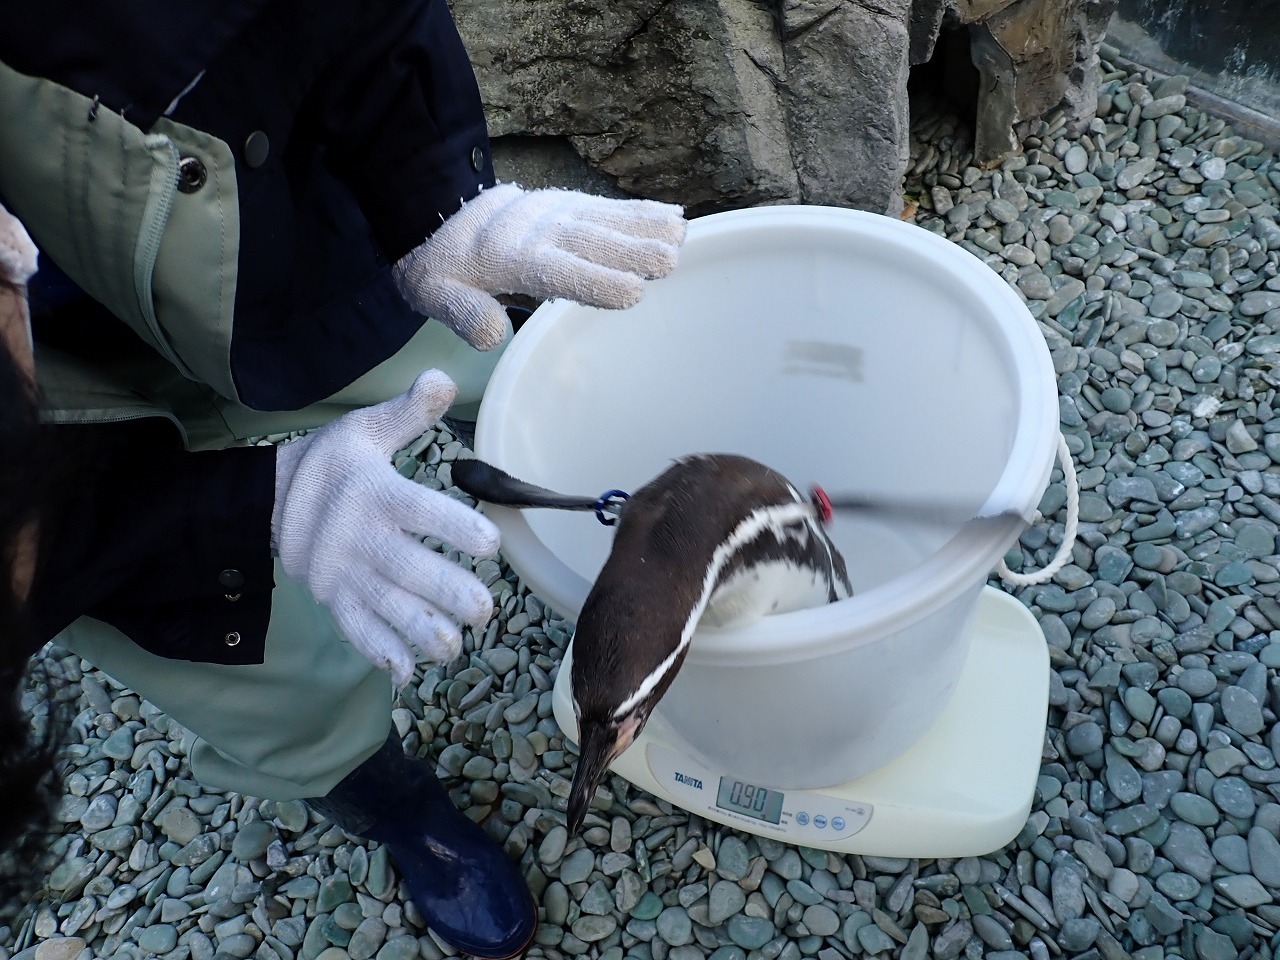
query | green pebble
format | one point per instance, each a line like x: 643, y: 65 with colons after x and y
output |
x: 348, y: 915
x: 649, y: 907
x: 1233, y: 575
x: 1243, y: 890
x: 752, y: 933
x: 1176, y: 703
x: 675, y: 927
x: 399, y: 948
x: 484, y: 791
x: 732, y: 859
x: 334, y: 891
x: 577, y: 866
x: 114, y: 839
x: 119, y: 746
x: 1116, y: 400
x: 358, y: 868
x: 315, y: 940
x: 381, y: 877
x: 1140, y: 704
x: 598, y: 899
x: 1131, y: 819
x: 788, y: 866
x: 1194, y: 809
x: 1211, y: 945
x: 874, y: 940
x: 590, y: 928
x: 158, y: 939
x: 1236, y: 927
x: 1178, y: 887
x: 252, y: 840
x: 821, y: 920
x: 478, y: 768
x: 334, y: 934
x: 292, y: 815
x: 726, y: 900
x: 555, y: 900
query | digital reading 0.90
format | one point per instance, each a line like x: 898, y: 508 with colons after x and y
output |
x: 749, y: 800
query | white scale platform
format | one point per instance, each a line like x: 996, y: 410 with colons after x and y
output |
x: 965, y: 789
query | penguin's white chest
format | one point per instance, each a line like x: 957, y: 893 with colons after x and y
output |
x: 776, y: 586
x: 790, y: 569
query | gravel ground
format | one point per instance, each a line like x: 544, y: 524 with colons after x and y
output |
x: 1148, y: 249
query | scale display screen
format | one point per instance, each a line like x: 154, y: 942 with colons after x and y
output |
x: 749, y: 800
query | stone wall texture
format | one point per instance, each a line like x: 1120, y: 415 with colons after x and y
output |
x: 718, y: 104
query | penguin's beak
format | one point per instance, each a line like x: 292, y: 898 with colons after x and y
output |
x: 599, y: 745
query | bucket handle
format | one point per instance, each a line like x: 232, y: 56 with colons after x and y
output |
x: 1063, y: 556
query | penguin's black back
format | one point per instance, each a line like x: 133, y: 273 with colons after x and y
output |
x: 667, y: 534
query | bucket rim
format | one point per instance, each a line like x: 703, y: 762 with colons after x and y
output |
x: 964, y: 561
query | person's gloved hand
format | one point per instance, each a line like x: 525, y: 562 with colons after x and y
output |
x: 17, y: 252
x: 542, y: 243
x: 347, y: 524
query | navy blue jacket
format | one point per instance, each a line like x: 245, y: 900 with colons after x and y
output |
x: 375, y: 135
x: 142, y: 534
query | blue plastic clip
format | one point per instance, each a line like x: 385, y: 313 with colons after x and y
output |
x: 610, y: 499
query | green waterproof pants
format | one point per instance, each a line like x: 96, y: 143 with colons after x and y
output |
x: 288, y: 728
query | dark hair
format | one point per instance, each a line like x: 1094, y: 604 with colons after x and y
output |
x: 30, y: 734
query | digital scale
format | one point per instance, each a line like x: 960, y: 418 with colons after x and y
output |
x: 964, y: 789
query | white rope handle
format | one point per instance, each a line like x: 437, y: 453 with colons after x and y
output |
x: 1063, y: 556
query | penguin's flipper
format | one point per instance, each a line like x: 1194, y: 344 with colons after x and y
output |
x: 492, y: 484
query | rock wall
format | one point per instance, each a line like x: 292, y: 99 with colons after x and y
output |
x: 719, y: 104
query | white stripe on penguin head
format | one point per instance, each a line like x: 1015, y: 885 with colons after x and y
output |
x: 774, y: 518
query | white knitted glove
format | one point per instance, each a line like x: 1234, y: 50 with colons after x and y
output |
x: 346, y: 524
x: 17, y: 252
x: 17, y: 264
x: 543, y: 243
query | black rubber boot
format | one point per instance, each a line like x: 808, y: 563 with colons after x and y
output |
x: 467, y: 889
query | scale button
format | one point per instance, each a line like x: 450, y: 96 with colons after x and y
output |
x: 802, y: 818
x: 819, y: 821
x: 837, y: 823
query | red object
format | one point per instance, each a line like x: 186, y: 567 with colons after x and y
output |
x: 823, y: 503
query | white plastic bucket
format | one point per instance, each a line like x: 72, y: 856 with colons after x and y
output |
x: 841, y: 348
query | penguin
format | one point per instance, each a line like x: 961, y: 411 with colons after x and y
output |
x: 716, y: 538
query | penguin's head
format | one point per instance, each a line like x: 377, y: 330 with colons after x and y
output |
x: 627, y: 649
x: 630, y: 640
x: 601, y: 740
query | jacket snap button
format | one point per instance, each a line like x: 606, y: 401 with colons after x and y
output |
x: 232, y: 638
x: 231, y: 579
x: 477, y: 159
x: 191, y: 174
x: 256, y: 149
